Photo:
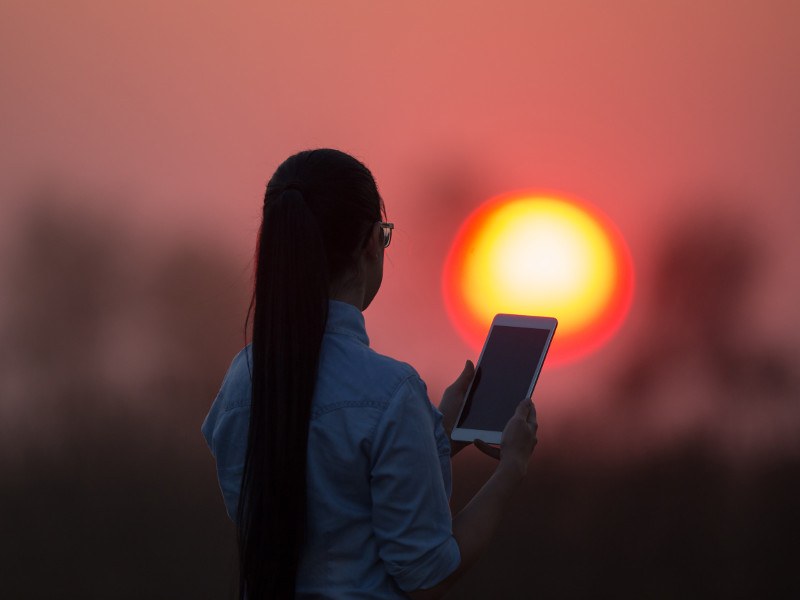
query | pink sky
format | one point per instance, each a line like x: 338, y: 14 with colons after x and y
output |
x: 182, y: 109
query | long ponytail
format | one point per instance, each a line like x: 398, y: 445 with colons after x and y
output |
x: 296, y: 259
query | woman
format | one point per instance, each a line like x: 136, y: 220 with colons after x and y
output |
x: 332, y: 461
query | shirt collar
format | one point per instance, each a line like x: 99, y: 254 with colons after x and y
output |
x: 346, y: 319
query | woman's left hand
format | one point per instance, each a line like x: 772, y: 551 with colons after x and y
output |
x: 452, y: 400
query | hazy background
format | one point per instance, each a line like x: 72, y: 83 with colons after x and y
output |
x: 137, y: 138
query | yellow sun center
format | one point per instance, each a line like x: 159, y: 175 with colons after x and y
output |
x: 539, y: 255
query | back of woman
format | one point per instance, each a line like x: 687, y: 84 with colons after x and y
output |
x: 332, y: 461
x: 378, y: 474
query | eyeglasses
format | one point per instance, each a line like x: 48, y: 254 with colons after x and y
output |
x: 386, y: 232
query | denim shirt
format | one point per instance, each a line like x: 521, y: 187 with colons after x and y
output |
x: 378, y: 474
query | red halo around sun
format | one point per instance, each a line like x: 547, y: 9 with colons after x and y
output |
x: 540, y: 254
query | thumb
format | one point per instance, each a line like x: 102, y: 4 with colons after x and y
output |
x: 466, y: 374
x: 524, y: 409
x: 462, y: 381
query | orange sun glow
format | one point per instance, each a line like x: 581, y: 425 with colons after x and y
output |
x: 539, y: 254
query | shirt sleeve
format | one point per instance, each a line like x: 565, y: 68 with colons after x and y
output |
x: 411, y: 515
x: 226, y: 426
x: 225, y: 432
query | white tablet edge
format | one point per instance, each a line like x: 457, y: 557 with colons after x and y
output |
x: 470, y: 435
x: 526, y: 322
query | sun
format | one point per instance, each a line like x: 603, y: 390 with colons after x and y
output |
x: 540, y: 254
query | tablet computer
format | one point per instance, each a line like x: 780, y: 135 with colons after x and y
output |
x: 507, y: 370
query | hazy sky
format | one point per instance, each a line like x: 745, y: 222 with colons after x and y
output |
x: 675, y: 118
x: 177, y: 112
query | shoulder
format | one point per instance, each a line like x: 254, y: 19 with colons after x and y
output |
x: 229, y: 413
x: 396, y: 372
x: 406, y: 401
x: 236, y: 388
x: 349, y: 363
x: 360, y: 386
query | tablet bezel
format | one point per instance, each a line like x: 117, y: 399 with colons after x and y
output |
x: 505, y: 320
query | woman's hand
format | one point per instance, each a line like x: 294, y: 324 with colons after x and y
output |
x: 452, y: 400
x: 475, y: 524
x: 518, y: 439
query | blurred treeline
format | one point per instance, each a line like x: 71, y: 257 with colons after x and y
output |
x: 114, y: 343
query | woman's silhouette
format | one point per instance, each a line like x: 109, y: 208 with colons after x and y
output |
x: 332, y: 460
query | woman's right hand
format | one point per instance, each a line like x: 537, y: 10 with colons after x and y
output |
x: 518, y: 439
x: 474, y: 525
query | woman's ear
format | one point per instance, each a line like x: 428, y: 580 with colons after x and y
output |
x: 374, y: 243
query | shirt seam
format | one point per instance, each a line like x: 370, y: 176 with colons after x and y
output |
x: 349, y: 404
x: 358, y: 336
x: 234, y: 404
x: 404, y: 381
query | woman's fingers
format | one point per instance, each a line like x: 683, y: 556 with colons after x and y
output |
x: 523, y: 410
x: 533, y: 423
x: 460, y: 385
x: 487, y: 449
x: 526, y: 412
x: 462, y: 381
x: 453, y: 397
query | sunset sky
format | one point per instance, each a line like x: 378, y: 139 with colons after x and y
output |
x: 654, y: 112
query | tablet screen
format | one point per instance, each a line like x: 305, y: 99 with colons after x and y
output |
x: 505, y: 373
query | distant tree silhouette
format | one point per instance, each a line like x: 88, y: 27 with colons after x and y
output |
x: 700, y: 324
x: 111, y: 355
x: 110, y: 359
